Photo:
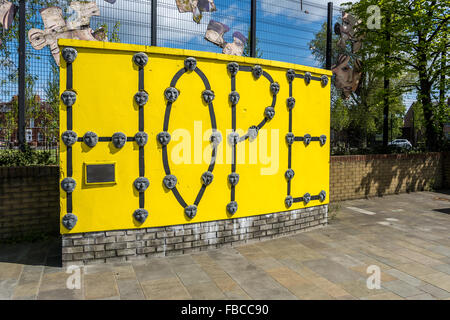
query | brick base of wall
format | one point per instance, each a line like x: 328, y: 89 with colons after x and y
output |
x: 125, y: 245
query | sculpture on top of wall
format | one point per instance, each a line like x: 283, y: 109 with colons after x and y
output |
x: 196, y: 7
x: 348, y: 71
x: 76, y: 27
x: 215, y: 32
x: 7, y: 14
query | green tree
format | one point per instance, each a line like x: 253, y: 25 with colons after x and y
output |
x: 361, y: 115
x: 419, y: 34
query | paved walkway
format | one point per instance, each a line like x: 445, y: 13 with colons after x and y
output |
x: 407, y: 236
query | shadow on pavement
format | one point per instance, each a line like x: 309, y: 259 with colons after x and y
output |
x: 43, y: 253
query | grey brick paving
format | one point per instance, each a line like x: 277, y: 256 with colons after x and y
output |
x: 407, y: 238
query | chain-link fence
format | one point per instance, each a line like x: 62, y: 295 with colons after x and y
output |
x: 284, y: 29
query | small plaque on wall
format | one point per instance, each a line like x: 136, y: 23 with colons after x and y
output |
x: 100, y: 173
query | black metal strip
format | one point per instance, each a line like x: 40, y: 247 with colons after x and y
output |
x: 289, y: 156
x: 299, y: 199
x: 290, y: 89
x: 179, y: 197
x: 245, y: 68
x: 262, y: 123
x: 274, y: 100
x: 141, y: 162
x: 243, y: 138
x: 213, y: 160
x: 233, y: 193
x: 301, y: 76
x: 212, y: 116
x: 298, y: 139
x: 165, y: 160
x: 315, y: 139
x: 104, y: 139
x: 267, y: 76
x: 141, y: 200
x: 233, y: 117
x: 69, y: 79
x: 290, y: 120
x: 141, y: 118
x: 315, y: 197
x: 289, y: 187
x: 177, y: 76
x: 69, y: 202
x: 69, y: 118
x: 167, y: 116
x: 233, y: 83
x: 69, y: 162
x: 203, y: 77
x: 233, y: 163
x: 200, y: 195
x: 141, y: 78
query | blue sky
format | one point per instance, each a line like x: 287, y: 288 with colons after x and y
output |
x: 283, y: 31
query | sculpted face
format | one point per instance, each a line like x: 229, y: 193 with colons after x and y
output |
x: 69, y: 138
x: 68, y: 184
x: 234, y: 97
x: 141, y: 184
x: 253, y: 132
x: 68, y: 98
x: 163, y: 138
x: 208, y: 96
x: 290, y: 75
x: 90, y: 139
x: 288, y: 201
x: 215, y: 138
x: 323, y: 139
x: 233, y: 178
x: 141, y: 138
x: 140, y: 215
x: 324, y: 80
x: 171, y: 94
x: 119, y: 139
x: 170, y: 181
x: 207, y: 178
x: 69, y: 54
x: 141, y: 98
x: 307, y: 77
x: 69, y: 221
x: 307, y: 139
x: 233, y: 138
x: 290, y: 102
x: 190, y: 64
x: 191, y: 211
x: 232, y: 207
x: 289, y: 174
x: 274, y: 88
x: 233, y: 68
x: 306, y: 198
x: 322, y: 195
x: 140, y: 59
x: 257, y: 71
x: 290, y: 138
x: 269, y: 113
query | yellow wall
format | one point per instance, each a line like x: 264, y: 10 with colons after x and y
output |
x: 106, y: 80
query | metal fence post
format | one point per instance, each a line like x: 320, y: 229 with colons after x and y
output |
x: 22, y: 83
x: 329, y: 35
x: 253, y: 30
x: 154, y: 22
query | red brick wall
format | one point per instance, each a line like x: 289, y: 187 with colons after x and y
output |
x: 29, y: 201
x: 353, y: 177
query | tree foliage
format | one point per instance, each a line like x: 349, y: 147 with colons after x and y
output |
x: 418, y: 43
